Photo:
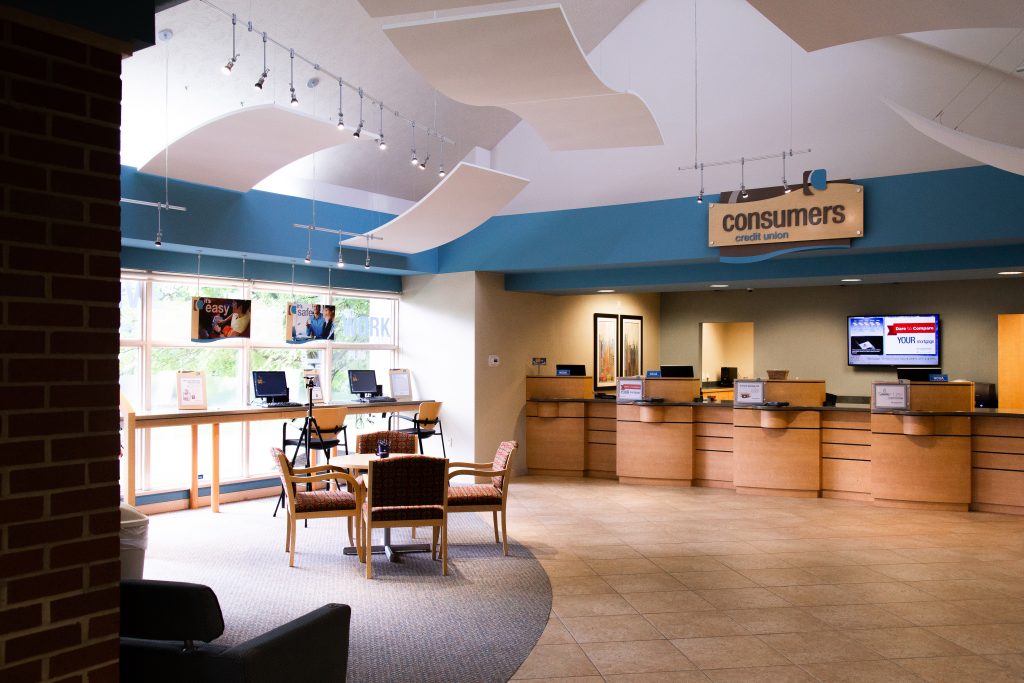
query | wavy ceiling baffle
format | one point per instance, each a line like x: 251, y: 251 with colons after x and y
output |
x: 988, y: 152
x: 467, y: 197
x: 239, y: 149
x: 390, y: 8
x: 817, y: 24
x: 529, y: 62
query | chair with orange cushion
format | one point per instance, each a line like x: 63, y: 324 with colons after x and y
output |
x: 407, y: 490
x: 490, y: 497
x: 335, y: 502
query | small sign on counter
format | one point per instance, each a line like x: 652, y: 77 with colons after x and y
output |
x: 890, y: 395
x: 629, y: 389
x: 748, y: 391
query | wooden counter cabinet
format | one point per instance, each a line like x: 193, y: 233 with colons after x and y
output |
x: 555, y: 437
x: 655, y: 444
x: 777, y: 451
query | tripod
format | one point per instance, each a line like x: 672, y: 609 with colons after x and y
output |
x: 309, y: 425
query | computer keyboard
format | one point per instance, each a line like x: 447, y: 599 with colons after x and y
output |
x: 381, y: 399
x: 285, y: 404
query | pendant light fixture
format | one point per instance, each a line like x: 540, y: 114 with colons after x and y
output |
x: 367, y: 263
x: 743, y: 188
x: 413, y: 160
x: 341, y: 112
x: 291, y: 79
x: 440, y: 166
x: 381, y: 144
x: 785, y: 186
x: 341, y: 256
x: 258, y: 85
x: 359, y: 130
x: 226, y: 69
x: 700, y: 195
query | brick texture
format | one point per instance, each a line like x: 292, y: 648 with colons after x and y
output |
x: 60, y: 240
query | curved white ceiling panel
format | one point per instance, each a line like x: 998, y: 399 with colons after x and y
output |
x: 527, y: 61
x: 995, y: 154
x: 239, y: 149
x: 390, y: 8
x: 817, y: 24
x: 467, y: 197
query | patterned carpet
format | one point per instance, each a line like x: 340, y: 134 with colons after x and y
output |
x: 409, y: 623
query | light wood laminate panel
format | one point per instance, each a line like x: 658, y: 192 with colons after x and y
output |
x: 846, y: 479
x: 942, y: 396
x: 672, y: 388
x: 628, y: 412
x: 844, y: 419
x: 997, y: 426
x: 723, y: 394
x: 713, y: 443
x: 712, y: 466
x: 711, y: 429
x: 795, y: 419
x: 555, y: 444
x: 605, y: 410
x: 601, y: 437
x: 1011, y: 361
x: 603, y: 424
x: 997, y: 444
x: 998, y: 488
x: 859, y: 437
x: 947, y: 425
x: 932, y: 471
x: 656, y: 452
x: 797, y: 392
x: 716, y: 414
x: 998, y: 461
x: 599, y: 460
x: 777, y: 460
x: 845, y: 451
x: 559, y: 387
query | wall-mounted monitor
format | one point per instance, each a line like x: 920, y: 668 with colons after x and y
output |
x: 904, y: 340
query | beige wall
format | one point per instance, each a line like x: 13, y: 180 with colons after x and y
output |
x: 437, y: 343
x: 804, y: 329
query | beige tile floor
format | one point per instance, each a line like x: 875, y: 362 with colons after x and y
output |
x: 683, y: 585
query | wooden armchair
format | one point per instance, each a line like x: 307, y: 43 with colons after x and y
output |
x: 491, y: 497
x: 407, y: 490
x: 425, y: 423
x: 400, y: 442
x: 336, y: 502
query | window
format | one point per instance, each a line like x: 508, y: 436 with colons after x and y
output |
x: 155, y: 344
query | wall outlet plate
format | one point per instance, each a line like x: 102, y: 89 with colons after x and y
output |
x: 493, y: 361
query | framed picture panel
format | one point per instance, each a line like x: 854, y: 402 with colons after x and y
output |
x: 631, y: 345
x: 606, y: 350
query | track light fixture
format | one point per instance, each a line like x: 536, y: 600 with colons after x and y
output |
x: 700, y: 195
x: 785, y: 186
x: 341, y: 256
x: 359, y: 130
x: 341, y: 113
x: 381, y: 144
x: 413, y: 160
x: 291, y: 79
x: 159, y: 233
x: 266, y: 72
x: 367, y: 264
x: 743, y: 188
x: 423, y: 164
x: 440, y: 166
x: 226, y: 69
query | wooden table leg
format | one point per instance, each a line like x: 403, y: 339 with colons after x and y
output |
x: 215, y: 484
x: 130, y: 436
x: 193, y: 488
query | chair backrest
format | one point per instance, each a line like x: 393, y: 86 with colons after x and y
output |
x: 502, y: 460
x: 398, y: 442
x: 169, y: 610
x: 330, y: 418
x: 426, y: 416
x: 408, y: 480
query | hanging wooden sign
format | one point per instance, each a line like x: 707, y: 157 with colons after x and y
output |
x: 804, y: 215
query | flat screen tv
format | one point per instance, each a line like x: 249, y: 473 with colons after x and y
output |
x: 891, y: 340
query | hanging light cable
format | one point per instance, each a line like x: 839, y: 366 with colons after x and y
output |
x: 381, y: 144
x: 413, y: 160
x: 226, y: 69
x: 266, y: 72
x: 359, y: 130
x: 743, y: 188
x: 291, y: 79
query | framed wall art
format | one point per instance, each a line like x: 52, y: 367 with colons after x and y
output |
x: 631, y: 345
x: 606, y: 350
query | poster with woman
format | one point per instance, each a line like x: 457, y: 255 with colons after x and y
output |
x: 220, y: 318
x: 308, y: 322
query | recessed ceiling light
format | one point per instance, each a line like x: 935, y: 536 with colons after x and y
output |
x: 719, y: 286
x: 850, y: 279
x: 1012, y: 272
x: 605, y: 291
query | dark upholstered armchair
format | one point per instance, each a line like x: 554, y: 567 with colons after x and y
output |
x: 168, y: 629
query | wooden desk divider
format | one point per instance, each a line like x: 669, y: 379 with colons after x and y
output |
x: 556, y: 429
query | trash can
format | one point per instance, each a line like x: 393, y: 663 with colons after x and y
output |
x: 134, y: 535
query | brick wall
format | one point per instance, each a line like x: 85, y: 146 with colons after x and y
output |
x: 59, y: 292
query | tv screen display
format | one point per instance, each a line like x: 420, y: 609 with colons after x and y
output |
x: 362, y: 381
x: 269, y: 383
x: 892, y: 340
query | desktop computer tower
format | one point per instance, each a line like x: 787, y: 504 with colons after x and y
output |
x: 985, y: 395
x: 727, y: 377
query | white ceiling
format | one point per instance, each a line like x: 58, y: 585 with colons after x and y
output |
x: 744, y: 99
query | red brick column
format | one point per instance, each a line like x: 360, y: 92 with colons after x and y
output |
x: 60, y: 250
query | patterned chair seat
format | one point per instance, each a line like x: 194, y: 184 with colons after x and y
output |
x: 324, y: 500
x: 404, y: 512
x: 474, y: 494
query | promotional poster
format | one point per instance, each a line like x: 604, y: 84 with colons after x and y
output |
x: 306, y: 322
x: 220, y: 318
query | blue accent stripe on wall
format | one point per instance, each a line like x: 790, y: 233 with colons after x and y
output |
x: 165, y: 496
